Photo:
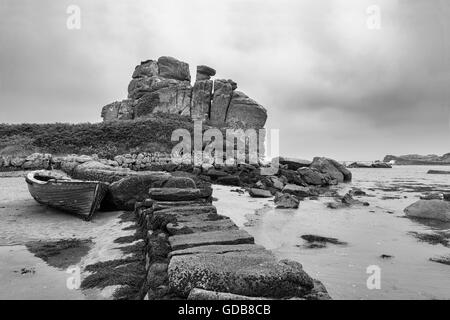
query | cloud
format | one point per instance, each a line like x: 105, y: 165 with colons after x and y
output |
x: 330, y: 84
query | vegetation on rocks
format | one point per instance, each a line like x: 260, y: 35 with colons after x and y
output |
x: 152, y: 134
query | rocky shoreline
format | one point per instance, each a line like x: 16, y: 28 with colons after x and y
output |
x: 187, y: 243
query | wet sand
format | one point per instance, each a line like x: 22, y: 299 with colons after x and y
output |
x: 23, y: 222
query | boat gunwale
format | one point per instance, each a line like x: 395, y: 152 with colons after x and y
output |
x: 30, y: 178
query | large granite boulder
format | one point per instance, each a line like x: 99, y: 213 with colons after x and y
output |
x: 208, y: 238
x: 286, y: 201
x: 204, y: 186
x: 333, y: 168
x: 167, y: 97
x: 147, y: 68
x: 123, y: 194
x: 205, y: 73
x: 314, y: 177
x: 429, y: 209
x: 245, y: 112
x: 37, y: 161
x: 299, y: 191
x: 259, y: 193
x: 293, y: 163
x: 175, y: 99
x: 201, y: 99
x: 249, y: 273
x: 172, y: 68
x: 201, y: 227
x: 292, y: 177
x: 140, y: 86
x: 174, y: 194
x: 223, y: 92
x: 97, y: 171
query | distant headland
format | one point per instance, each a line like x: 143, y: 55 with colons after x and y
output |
x: 415, y: 159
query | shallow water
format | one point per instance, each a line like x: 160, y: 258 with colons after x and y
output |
x: 38, y: 281
x: 370, y: 232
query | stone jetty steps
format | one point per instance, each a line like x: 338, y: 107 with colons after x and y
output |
x: 195, y: 253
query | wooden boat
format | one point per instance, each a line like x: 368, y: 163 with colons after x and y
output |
x: 61, y: 192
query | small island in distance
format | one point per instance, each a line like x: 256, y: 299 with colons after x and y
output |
x: 415, y: 159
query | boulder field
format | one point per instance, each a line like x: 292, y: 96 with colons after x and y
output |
x: 131, y: 175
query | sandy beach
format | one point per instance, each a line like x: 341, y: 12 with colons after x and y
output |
x: 23, y: 222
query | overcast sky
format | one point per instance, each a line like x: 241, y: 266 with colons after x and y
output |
x: 332, y: 85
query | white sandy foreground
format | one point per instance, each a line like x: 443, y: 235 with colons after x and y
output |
x: 23, y: 220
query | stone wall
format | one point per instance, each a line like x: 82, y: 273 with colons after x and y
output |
x: 164, y: 85
x: 192, y: 252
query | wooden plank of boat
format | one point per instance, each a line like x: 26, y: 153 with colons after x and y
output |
x: 79, y: 197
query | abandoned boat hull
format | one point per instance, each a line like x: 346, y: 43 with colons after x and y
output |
x: 79, y: 197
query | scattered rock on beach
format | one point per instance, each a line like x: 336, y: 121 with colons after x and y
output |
x: 432, y: 238
x: 349, y: 200
x: 299, y: 191
x: 346, y: 201
x: 286, y: 201
x: 429, y: 209
x: 259, y: 193
x: 359, y: 192
x: 443, y: 260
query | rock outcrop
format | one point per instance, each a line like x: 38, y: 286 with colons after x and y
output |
x: 164, y: 86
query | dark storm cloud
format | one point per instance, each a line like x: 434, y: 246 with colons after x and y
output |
x: 330, y: 84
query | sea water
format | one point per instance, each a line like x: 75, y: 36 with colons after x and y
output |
x: 370, y: 232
